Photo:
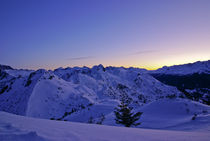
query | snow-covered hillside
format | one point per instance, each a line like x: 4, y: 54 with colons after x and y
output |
x: 90, y: 95
x: 176, y: 114
x: 15, y: 90
x: 19, y: 128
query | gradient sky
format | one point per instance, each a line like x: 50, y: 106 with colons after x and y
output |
x: 140, y: 33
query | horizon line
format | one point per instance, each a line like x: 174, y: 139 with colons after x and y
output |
x: 147, y: 68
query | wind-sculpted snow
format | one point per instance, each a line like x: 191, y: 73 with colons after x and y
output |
x: 10, y: 133
x: 26, y: 128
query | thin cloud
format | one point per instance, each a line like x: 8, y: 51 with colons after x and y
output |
x: 81, y: 58
x: 144, y: 52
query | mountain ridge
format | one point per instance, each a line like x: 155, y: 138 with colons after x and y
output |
x: 184, y: 69
x: 86, y: 94
x: 202, y: 67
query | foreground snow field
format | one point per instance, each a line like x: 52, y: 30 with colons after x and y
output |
x: 20, y: 128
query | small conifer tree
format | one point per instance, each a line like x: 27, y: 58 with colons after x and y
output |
x: 125, y: 116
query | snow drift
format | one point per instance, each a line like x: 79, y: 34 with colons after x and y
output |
x: 15, y: 127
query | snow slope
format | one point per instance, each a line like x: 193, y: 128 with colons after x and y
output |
x: 15, y: 90
x: 19, y: 128
x: 54, y: 97
x: 176, y: 114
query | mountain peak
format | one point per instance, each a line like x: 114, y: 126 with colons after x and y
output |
x: 5, y: 67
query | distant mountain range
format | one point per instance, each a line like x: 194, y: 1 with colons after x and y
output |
x: 85, y: 94
x: 185, y: 69
x: 192, y: 79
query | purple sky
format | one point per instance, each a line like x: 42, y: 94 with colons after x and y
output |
x: 140, y: 33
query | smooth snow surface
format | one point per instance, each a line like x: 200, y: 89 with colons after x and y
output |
x: 19, y: 128
x: 176, y: 114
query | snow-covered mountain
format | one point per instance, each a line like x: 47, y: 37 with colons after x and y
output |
x: 185, y: 69
x: 192, y: 79
x: 75, y: 89
x: 63, y: 92
x: 90, y: 95
x: 15, y: 90
x: 5, y: 67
